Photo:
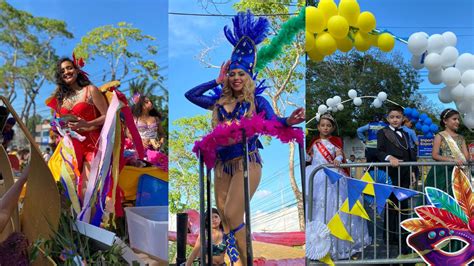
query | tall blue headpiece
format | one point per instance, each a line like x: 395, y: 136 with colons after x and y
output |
x: 247, y: 34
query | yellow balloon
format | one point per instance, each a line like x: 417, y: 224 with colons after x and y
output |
x: 338, y: 27
x: 361, y: 42
x: 325, y: 43
x: 315, y: 20
x: 344, y: 44
x: 315, y: 55
x: 349, y: 9
x: 366, y: 22
x: 386, y: 42
x: 310, y: 41
x: 328, y: 7
x: 373, y: 39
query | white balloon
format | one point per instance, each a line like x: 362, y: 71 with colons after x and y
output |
x: 318, y: 116
x: 377, y: 103
x: 352, y: 93
x: 444, y: 95
x: 322, y: 109
x: 451, y: 76
x: 433, y: 61
x: 330, y: 102
x: 417, y: 43
x: 449, y: 56
x: 469, y: 93
x: 424, y: 34
x: 416, y: 62
x: 357, y: 101
x: 436, y: 43
x: 463, y: 62
x: 467, y: 77
x: 382, y: 96
x: 337, y: 99
x: 340, y: 107
x: 463, y: 106
x: 457, y: 93
x: 450, y: 38
x: 435, y: 77
x: 329, y: 109
x: 468, y: 120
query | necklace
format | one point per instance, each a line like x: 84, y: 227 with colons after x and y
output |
x: 405, y: 139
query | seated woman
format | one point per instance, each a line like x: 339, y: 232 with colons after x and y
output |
x: 148, y: 122
x: 218, y: 250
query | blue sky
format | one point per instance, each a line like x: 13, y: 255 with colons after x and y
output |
x: 83, y: 16
x: 189, y: 35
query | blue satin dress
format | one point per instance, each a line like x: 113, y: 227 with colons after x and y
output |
x: 229, y: 157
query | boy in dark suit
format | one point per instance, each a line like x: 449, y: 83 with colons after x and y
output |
x: 393, y: 146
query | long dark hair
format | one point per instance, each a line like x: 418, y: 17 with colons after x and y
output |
x: 215, y: 211
x: 446, y: 114
x: 63, y: 91
x: 137, y: 108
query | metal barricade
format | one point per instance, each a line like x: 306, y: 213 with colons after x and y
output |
x: 205, y: 204
x: 382, y: 252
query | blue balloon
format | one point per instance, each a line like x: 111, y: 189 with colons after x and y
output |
x: 423, y: 116
x: 418, y: 126
x: 425, y: 129
x: 407, y: 111
x: 433, y: 128
x: 414, y: 113
x: 428, y: 121
x: 429, y: 135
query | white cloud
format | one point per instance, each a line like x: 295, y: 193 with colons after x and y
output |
x: 262, y: 193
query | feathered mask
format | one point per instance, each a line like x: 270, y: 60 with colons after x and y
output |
x: 248, y: 32
x: 445, y: 220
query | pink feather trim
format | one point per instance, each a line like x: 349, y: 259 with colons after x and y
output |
x: 227, y: 134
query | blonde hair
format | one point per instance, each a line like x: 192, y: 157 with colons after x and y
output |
x: 227, y: 97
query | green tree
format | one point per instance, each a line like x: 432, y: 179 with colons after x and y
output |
x: 125, y: 49
x: 184, y: 167
x: 285, y: 75
x: 368, y: 73
x: 27, y: 56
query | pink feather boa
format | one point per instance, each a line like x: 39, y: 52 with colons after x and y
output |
x: 227, y: 134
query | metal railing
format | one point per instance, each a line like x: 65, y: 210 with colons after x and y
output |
x: 378, y: 252
x: 205, y: 203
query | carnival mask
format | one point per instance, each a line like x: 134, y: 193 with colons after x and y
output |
x: 447, y: 220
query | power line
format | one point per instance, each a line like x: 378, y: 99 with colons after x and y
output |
x: 227, y: 15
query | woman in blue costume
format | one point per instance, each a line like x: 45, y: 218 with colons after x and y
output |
x: 237, y: 100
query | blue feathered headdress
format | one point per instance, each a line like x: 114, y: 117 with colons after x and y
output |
x: 247, y: 33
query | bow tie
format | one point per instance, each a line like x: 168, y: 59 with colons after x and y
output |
x: 398, y: 129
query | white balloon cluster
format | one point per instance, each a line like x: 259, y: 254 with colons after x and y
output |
x: 439, y: 55
x: 335, y: 103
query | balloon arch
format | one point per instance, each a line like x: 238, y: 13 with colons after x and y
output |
x: 331, y: 27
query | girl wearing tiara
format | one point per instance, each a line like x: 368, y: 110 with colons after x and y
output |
x: 448, y: 146
x: 328, y: 198
x: 238, y: 99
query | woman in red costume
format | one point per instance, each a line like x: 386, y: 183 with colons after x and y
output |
x: 83, y: 107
